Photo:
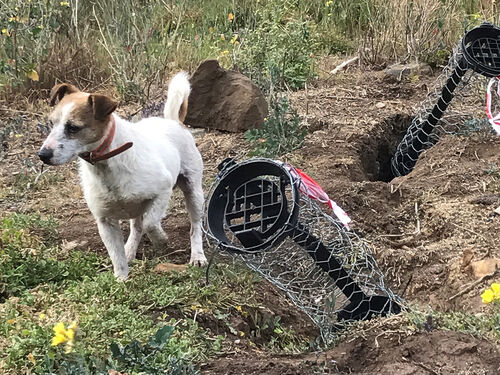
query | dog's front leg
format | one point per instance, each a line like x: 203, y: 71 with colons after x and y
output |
x: 193, y: 193
x: 111, y: 235
x: 134, y: 238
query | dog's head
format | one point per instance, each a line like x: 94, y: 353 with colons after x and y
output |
x: 79, y: 121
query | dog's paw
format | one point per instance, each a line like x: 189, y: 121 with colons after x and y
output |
x: 199, y: 261
x: 121, y: 274
x: 121, y: 277
x: 130, y: 256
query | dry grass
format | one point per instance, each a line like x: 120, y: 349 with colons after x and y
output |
x: 134, y: 47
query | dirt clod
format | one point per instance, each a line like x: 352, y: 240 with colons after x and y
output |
x: 484, y: 267
x: 224, y: 100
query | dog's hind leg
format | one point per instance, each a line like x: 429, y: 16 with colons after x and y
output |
x: 152, y: 220
x: 193, y: 194
x: 111, y: 235
x: 134, y: 238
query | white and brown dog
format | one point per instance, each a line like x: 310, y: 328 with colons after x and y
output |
x: 128, y: 170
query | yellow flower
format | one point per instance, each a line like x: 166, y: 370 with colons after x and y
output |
x: 5, y: 32
x: 495, y: 287
x: 238, y: 308
x: 328, y: 3
x: 58, y: 338
x: 234, y: 39
x: 42, y: 316
x: 11, y: 321
x: 242, y: 333
x: 31, y: 358
x: 64, y: 3
x: 488, y: 296
x: 63, y: 335
x: 230, y: 17
x: 33, y: 75
x: 210, y: 29
x: 13, y: 19
x: 224, y: 53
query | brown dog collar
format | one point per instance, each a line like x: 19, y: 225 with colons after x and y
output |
x: 98, y: 154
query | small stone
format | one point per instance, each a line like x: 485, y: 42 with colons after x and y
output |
x: 71, y: 245
x: 380, y: 105
x: 467, y: 257
x: 497, y: 211
x: 399, y: 71
x: 484, y: 267
x: 197, y: 132
x: 486, y: 199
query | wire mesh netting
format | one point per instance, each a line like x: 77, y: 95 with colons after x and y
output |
x: 460, y: 87
x: 258, y: 215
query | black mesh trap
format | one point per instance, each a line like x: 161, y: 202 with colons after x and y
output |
x: 255, y: 211
x: 476, y: 57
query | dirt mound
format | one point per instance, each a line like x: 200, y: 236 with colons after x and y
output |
x: 420, y: 225
x: 224, y: 100
x: 438, y: 352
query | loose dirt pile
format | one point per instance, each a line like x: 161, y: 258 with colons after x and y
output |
x: 394, y: 353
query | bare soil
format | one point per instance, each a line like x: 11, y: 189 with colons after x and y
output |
x: 425, y: 228
x: 394, y: 353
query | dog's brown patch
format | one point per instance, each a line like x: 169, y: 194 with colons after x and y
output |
x: 59, y: 91
x: 91, y: 112
x: 102, y: 106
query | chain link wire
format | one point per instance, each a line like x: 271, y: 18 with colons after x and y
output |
x: 438, y: 115
x: 327, y: 271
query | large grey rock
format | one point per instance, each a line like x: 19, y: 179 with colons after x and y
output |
x: 224, y: 100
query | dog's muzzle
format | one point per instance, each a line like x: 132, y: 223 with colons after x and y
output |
x: 46, y: 154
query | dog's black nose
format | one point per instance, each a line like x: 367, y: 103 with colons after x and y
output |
x: 46, y: 154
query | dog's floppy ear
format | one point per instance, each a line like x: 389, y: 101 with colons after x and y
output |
x: 102, y: 106
x: 58, y: 92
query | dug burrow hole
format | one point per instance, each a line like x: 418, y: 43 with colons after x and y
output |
x: 378, y: 147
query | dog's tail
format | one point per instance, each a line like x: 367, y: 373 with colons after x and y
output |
x: 177, y: 98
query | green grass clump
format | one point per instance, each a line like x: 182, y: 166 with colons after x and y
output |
x: 29, y: 256
x: 43, y: 285
x: 485, y: 324
x: 282, y: 131
x: 281, y: 45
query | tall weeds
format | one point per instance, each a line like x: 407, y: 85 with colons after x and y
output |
x: 135, y: 45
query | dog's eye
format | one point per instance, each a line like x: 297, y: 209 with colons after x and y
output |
x: 72, y: 128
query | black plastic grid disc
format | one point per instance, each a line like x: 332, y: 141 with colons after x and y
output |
x: 481, y: 48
